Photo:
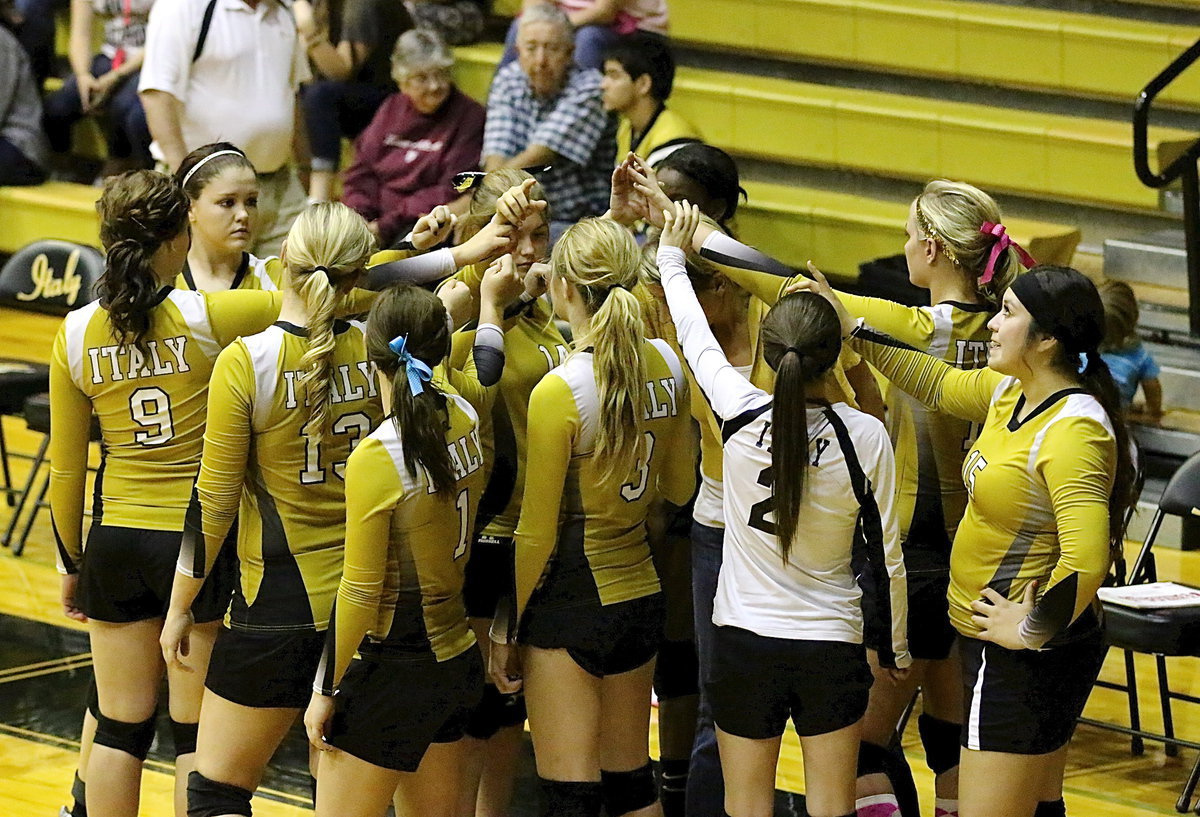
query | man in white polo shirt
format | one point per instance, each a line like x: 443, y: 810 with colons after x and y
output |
x: 233, y: 79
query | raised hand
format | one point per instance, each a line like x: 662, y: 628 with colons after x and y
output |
x: 820, y: 285
x: 625, y: 204
x: 680, y: 221
x: 646, y: 183
x: 515, y: 206
x: 501, y: 283
x: 433, y: 228
x: 495, y: 238
x: 456, y: 297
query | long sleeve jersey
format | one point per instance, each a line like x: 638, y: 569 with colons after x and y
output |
x: 252, y: 273
x: 151, y: 401
x: 406, y: 546
x: 1038, y: 488
x: 262, y: 467
x: 848, y: 503
x: 591, y: 529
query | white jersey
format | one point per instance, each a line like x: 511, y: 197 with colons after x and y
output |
x: 848, y: 504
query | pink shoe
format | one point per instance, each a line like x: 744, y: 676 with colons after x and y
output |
x: 877, y: 805
x: 945, y: 808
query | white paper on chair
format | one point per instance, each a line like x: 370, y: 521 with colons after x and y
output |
x: 1151, y: 596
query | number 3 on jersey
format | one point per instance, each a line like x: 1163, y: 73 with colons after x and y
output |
x: 632, y: 491
x: 150, y: 408
x: 356, y: 424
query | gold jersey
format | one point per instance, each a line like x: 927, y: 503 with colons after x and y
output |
x: 406, y: 546
x: 285, y: 487
x: 1038, y: 488
x: 930, y: 446
x: 591, y: 529
x: 151, y: 402
x: 253, y: 273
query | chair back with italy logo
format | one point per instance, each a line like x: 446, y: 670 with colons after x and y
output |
x: 51, y: 276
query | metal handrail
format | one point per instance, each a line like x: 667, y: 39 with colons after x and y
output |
x: 1183, y: 168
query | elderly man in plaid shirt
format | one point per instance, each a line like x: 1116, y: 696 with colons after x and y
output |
x: 544, y: 111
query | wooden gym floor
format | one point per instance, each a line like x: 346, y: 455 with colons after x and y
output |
x: 45, y: 669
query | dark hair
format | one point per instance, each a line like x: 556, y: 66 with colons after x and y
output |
x: 210, y: 169
x: 711, y: 168
x: 139, y: 211
x: 1078, y: 324
x: 802, y: 339
x: 420, y: 419
x: 648, y: 54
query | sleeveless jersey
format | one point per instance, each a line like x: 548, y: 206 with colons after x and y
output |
x: 289, y: 486
x: 151, y: 403
x: 1038, y: 489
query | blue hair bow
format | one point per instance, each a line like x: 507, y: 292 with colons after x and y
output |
x: 417, y: 371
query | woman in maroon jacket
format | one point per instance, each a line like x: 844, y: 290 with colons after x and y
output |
x: 417, y: 141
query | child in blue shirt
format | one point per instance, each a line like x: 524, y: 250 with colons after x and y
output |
x: 1124, y: 353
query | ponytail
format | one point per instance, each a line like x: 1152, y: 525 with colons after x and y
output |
x: 802, y: 339
x: 139, y: 211
x: 600, y: 258
x: 421, y: 419
x: 325, y: 253
x: 1098, y: 381
x: 789, y: 447
x: 617, y: 336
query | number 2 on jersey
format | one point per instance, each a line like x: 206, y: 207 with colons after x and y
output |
x: 150, y: 407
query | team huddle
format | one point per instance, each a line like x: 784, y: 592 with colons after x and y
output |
x: 422, y: 496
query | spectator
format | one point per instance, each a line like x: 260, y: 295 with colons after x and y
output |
x: 639, y: 73
x: 355, y: 74
x: 598, y: 24
x: 105, y: 84
x: 544, y: 111
x: 419, y: 139
x: 22, y: 144
x: 458, y: 22
x: 1128, y: 360
x: 236, y: 81
x: 32, y: 21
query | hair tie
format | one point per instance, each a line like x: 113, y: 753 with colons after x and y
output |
x: 1003, y: 242
x: 1083, y: 362
x: 417, y: 371
x: 321, y: 268
x: 619, y: 286
x: 187, y: 177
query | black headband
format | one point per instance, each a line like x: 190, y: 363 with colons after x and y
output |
x: 1066, y: 322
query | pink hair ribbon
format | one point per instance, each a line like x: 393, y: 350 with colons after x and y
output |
x: 1003, y: 242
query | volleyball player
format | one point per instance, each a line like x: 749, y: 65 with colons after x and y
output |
x: 802, y: 492
x: 1049, y: 479
x: 958, y: 250
x: 286, y: 407
x: 589, y: 609
x: 140, y: 358
x: 413, y: 487
x: 533, y: 346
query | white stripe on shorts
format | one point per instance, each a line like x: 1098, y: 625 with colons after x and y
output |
x: 976, y: 701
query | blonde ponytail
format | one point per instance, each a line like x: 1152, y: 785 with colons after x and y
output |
x: 325, y: 254
x: 601, y: 259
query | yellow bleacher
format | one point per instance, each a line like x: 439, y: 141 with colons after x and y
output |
x: 1032, y: 153
x: 1064, y: 52
x: 51, y: 210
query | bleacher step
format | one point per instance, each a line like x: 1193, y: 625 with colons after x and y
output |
x: 1157, y: 258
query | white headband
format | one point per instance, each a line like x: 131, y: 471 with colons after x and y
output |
x: 200, y: 163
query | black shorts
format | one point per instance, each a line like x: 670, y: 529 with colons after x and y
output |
x: 496, y: 711
x: 603, y: 640
x: 262, y: 670
x: 1026, y: 702
x: 930, y: 634
x: 389, y: 710
x: 127, y: 575
x: 758, y: 681
x: 677, y: 671
x: 489, y: 575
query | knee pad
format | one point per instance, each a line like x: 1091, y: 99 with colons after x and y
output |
x: 1051, y: 808
x: 185, y: 737
x: 208, y: 798
x: 130, y: 738
x: 872, y: 759
x: 941, y: 741
x: 628, y: 791
x: 677, y: 671
x: 565, y: 798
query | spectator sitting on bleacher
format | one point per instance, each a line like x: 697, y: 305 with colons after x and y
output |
x: 639, y: 72
x: 598, y: 24
x: 234, y: 80
x: 421, y: 137
x: 543, y: 111
x: 34, y: 26
x: 22, y: 144
x: 351, y: 55
x: 457, y: 22
x: 1128, y: 360
x: 104, y: 84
